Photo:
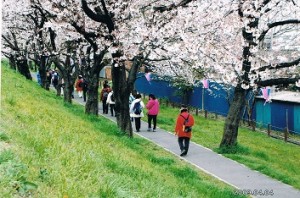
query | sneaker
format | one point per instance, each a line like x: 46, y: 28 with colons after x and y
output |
x: 137, y: 130
x: 183, y: 153
x: 154, y: 130
x: 149, y: 129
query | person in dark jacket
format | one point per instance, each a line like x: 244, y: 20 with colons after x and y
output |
x: 103, y: 97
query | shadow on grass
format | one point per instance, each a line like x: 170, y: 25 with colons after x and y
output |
x: 237, y: 149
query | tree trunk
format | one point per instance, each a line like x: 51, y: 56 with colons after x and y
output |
x: 92, y: 74
x: 66, y: 78
x: 12, y: 62
x: 122, y: 88
x: 68, y: 91
x: 233, y: 118
x: 42, y: 71
x: 24, y: 68
x: 123, y: 117
x: 186, y: 95
x: 234, y: 115
x: 91, y: 106
x: 121, y: 93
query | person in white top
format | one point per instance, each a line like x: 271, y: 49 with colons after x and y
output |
x: 111, y: 102
x: 136, y: 111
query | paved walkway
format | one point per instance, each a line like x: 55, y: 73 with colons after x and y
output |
x: 237, y: 175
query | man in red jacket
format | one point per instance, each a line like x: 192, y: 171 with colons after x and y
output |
x: 183, y: 129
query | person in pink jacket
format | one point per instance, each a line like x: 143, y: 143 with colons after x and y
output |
x: 153, y: 109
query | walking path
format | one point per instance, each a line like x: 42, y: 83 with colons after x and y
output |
x: 245, y: 180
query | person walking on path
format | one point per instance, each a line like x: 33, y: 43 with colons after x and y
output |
x: 136, y: 111
x: 103, y: 97
x: 85, y: 87
x: 55, y: 78
x: 183, y: 129
x: 78, y: 86
x: 111, y: 102
x: 153, y: 109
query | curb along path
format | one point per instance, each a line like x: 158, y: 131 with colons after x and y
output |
x: 245, y: 180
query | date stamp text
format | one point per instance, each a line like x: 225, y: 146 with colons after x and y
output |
x: 254, y: 192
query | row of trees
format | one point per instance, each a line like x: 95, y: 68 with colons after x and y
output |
x: 187, y: 39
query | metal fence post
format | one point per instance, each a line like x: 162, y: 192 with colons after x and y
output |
x: 286, y: 134
x: 253, y: 124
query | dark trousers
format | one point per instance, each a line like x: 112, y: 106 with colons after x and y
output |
x: 137, y: 122
x: 84, y: 95
x: 105, y: 107
x: 112, y: 109
x: 150, y: 118
x: 184, y: 143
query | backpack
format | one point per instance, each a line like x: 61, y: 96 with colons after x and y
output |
x: 186, y: 129
x: 85, y: 83
x: 112, y: 97
x: 80, y: 84
x: 137, y: 109
x: 105, y: 94
x: 55, y: 78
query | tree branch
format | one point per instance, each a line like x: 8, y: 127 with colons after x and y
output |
x: 278, y: 66
x: 278, y: 81
x: 101, y: 18
x: 10, y: 44
x: 86, y: 35
x: 163, y: 8
x: 275, y: 24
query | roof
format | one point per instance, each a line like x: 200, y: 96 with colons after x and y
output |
x: 286, y: 96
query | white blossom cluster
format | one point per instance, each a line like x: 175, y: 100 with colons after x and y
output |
x: 180, y: 40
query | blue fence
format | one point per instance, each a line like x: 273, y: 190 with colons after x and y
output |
x: 215, y: 100
x: 279, y: 114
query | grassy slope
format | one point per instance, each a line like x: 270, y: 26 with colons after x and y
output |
x: 270, y: 156
x: 57, y: 151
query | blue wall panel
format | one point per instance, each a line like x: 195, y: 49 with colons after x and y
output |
x: 297, y: 119
x: 196, y: 98
x: 281, y: 113
x: 160, y: 89
x: 263, y: 113
x: 214, y: 97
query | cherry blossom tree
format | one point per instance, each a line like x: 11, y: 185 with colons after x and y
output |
x: 62, y: 42
x: 90, y: 45
x: 224, y: 39
x: 131, y: 41
x: 15, y: 35
x: 112, y: 15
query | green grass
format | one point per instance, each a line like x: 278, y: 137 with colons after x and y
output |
x: 273, y: 157
x: 54, y: 150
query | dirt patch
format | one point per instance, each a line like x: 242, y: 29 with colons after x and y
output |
x: 4, y: 146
